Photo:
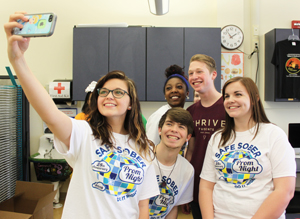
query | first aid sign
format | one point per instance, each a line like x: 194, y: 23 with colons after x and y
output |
x: 60, y: 90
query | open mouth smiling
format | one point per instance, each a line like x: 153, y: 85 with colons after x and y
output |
x: 175, y: 97
x: 197, y: 82
x: 172, y: 137
x: 109, y: 104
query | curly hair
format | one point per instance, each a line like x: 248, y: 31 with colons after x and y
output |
x: 176, y: 71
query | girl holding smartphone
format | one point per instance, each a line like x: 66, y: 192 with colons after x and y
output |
x: 113, y: 176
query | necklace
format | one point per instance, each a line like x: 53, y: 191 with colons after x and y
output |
x: 164, y: 183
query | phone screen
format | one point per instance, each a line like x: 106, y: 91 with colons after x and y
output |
x: 37, y: 24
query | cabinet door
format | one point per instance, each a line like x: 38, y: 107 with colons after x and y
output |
x: 90, y: 58
x: 164, y: 48
x: 204, y: 41
x: 127, y: 52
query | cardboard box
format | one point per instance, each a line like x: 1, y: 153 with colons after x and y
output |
x: 31, y: 201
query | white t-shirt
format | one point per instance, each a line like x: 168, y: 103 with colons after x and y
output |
x: 178, y: 190
x: 152, y: 123
x: 105, y: 183
x: 244, y: 170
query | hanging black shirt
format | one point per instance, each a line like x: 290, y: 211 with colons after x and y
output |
x: 286, y: 59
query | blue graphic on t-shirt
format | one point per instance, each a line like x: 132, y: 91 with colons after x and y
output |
x: 118, y: 174
x: 159, y: 205
x: 238, y: 167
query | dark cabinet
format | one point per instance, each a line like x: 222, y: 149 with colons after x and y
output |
x: 272, y: 87
x: 168, y: 46
x: 127, y: 52
x: 165, y: 47
x: 142, y: 53
x: 90, y: 58
x: 203, y: 41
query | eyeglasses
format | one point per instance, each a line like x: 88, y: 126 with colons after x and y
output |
x: 117, y: 93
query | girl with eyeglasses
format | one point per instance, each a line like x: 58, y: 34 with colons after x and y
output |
x: 113, y: 176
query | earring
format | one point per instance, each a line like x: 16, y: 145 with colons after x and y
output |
x: 187, y: 97
x: 129, y: 108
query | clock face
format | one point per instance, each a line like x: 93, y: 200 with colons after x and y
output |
x: 232, y: 37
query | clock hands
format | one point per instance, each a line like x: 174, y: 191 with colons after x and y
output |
x: 233, y: 35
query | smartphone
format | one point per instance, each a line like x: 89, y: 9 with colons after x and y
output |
x: 38, y: 25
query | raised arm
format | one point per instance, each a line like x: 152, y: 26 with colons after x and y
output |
x: 59, y: 123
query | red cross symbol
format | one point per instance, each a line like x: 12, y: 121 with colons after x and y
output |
x: 59, y: 88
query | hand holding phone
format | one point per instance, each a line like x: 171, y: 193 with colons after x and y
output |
x: 38, y: 25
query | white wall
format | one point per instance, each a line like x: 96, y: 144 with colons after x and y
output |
x: 51, y: 58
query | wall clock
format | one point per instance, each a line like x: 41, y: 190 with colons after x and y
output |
x: 232, y: 37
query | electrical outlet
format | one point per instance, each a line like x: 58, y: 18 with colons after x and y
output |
x: 256, y: 47
x: 255, y: 41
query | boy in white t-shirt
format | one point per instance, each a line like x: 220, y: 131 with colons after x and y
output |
x: 175, y: 175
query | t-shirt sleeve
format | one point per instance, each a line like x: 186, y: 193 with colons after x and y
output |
x: 78, y: 134
x: 152, y: 129
x: 208, y: 169
x: 190, y: 110
x: 150, y: 187
x: 282, y: 155
x: 187, y: 191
